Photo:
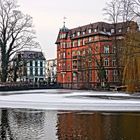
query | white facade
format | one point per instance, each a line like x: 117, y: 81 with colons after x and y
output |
x: 34, y: 68
x: 51, y: 70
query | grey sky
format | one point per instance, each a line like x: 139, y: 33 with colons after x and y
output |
x: 48, y: 18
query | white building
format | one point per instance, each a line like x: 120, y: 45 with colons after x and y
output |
x: 51, y: 70
x: 33, y: 66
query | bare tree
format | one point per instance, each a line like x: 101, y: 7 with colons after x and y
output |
x: 127, y: 8
x: 16, y: 32
x: 136, y: 10
x: 93, y: 57
x: 113, y: 11
x: 119, y: 11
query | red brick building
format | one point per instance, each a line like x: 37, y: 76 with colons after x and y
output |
x: 86, y: 55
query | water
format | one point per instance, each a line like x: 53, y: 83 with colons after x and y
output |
x: 27, y: 124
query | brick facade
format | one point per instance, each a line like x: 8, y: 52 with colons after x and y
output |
x: 86, y: 53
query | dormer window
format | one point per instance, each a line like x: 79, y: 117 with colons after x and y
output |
x: 95, y: 30
x: 83, y: 32
x: 112, y: 30
x: 78, y: 33
x: 120, y: 30
x: 89, y: 31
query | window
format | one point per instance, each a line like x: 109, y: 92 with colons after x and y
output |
x: 113, y: 49
x: 28, y: 64
x: 78, y: 33
x: 74, y: 74
x: 106, y: 62
x: 72, y: 43
x: 84, y: 40
x: 90, y: 39
x: 112, y: 30
x: 114, y: 72
x: 79, y: 42
x: 106, y: 72
x: 78, y: 52
x: 63, y: 35
x: 106, y: 49
x: 64, y: 45
x: 83, y: 32
x: 28, y: 71
x: 64, y: 54
x: 95, y: 30
x: 36, y: 63
x: 113, y: 62
x: 31, y: 64
x: 31, y: 71
x: 44, y: 71
x: 68, y: 53
x: 36, y: 71
x: 68, y: 44
x: 115, y: 77
x: 90, y: 75
x: 89, y: 31
x: 120, y: 30
x: 41, y: 64
x: 73, y: 53
x: 41, y: 71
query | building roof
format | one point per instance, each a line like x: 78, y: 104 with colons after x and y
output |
x: 30, y: 55
x: 96, y: 28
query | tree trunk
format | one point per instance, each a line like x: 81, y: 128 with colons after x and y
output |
x: 5, y: 128
x: 4, y: 66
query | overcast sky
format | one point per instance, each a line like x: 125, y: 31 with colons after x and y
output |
x: 48, y: 18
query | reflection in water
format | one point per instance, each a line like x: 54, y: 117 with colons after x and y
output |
x: 23, y: 124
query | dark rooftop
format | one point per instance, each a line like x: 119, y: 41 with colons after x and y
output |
x: 31, y: 55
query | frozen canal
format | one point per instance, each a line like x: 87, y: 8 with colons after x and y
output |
x: 69, y: 115
x: 70, y: 100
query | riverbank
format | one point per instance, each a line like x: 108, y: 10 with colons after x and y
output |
x: 26, y: 86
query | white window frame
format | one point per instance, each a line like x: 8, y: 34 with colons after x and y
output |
x: 106, y: 62
x: 112, y: 30
x: 79, y: 42
x: 106, y: 49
